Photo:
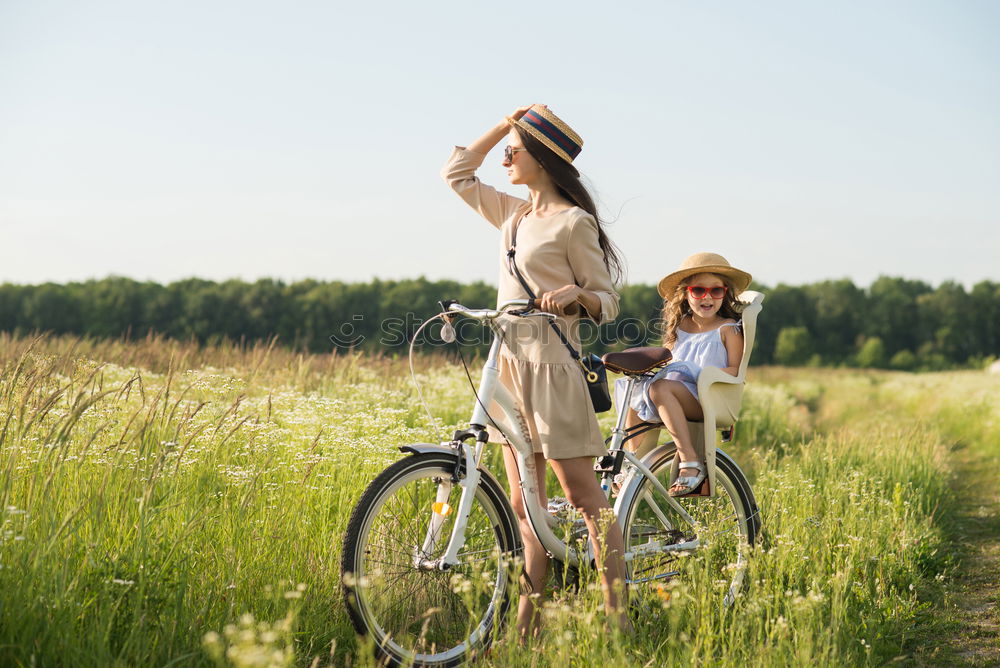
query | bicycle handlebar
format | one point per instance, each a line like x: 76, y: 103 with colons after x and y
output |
x: 517, y: 307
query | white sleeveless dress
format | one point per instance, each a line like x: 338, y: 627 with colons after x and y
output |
x: 691, y: 353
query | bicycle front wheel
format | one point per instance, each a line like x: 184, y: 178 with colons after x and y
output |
x: 715, y: 532
x: 416, y: 613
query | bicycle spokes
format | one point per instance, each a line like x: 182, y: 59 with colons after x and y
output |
x: 416, y: 611
x: 700, y: 538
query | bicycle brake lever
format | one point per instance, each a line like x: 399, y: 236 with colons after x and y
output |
x: 533, y: 305
x: 445, y: 304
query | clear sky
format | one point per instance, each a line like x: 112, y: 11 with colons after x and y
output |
x: 803, y: 139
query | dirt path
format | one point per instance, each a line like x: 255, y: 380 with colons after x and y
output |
x: 973, y: 602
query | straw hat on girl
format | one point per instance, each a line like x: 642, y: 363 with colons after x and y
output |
x: 704, y: 263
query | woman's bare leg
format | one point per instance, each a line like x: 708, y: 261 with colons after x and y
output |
x: 583, y: 491
x: 536, y: 560
x: 676, y: 405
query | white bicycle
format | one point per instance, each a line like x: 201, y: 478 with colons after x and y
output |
x: 431, y: 551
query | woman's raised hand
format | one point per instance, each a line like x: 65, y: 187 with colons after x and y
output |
x: 494, y: 136
x: 521, y: 111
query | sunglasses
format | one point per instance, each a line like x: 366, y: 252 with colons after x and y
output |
x: 509, y: 151
x: 700, y: 291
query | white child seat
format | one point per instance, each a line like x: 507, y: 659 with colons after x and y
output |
x: 721, y: 396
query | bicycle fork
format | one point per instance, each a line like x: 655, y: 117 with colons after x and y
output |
x: 441, y: 509
x: 467, y: 474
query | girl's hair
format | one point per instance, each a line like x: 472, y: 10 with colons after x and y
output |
x: 567, y: 181
x: 676, y: 307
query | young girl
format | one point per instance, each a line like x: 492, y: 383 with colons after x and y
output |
x: 701, y: 316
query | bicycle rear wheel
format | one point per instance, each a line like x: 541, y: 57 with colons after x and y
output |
x: 416, y: 613
x: 725, y: 527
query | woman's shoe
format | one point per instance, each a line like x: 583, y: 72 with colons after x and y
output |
x: 688, y: 484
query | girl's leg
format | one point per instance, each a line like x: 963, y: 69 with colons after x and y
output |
x: 536, y: 561
x: 645, y: 441
x: 582, y: 489
x: 631, y: 419
x: 676, y: 405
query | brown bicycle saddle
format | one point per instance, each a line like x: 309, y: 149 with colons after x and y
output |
x: 637, y: 360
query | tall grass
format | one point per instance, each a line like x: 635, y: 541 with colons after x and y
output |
x: 144, y: 508
x: 165, y: 504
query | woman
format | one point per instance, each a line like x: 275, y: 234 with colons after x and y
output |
x: 567, y: 260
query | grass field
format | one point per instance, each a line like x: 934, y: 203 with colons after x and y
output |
x: 170, y: 505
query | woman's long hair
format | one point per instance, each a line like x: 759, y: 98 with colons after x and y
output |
x: 567, y: 182
x: 676, y: 307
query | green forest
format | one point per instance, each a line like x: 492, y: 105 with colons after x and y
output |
x: 893, y: 323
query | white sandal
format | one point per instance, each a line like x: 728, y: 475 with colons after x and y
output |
x: 688, y: 484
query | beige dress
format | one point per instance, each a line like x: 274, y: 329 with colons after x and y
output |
x: 554, y: 251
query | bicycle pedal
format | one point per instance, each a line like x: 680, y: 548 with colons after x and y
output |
x: 675, y: 536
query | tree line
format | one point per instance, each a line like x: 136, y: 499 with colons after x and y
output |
x: 893, y: 323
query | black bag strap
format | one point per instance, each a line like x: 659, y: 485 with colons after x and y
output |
x: 512, y: 268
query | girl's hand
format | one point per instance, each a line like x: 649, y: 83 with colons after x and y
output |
x: 560, y: 300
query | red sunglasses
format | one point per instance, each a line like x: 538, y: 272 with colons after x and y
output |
x: 700, y: 291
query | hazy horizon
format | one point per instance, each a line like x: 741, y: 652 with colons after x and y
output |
x: 383, y: 279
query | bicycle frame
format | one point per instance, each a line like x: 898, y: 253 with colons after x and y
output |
x: 541, y: 522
